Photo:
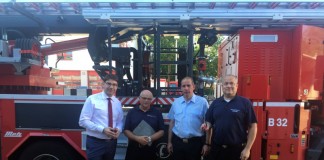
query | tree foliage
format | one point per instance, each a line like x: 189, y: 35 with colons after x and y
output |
x: 212, y: 59
x: 181, y: 42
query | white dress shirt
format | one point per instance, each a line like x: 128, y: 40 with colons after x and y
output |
x: 94, y: 115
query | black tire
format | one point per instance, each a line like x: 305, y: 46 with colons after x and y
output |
x: 47, y: 150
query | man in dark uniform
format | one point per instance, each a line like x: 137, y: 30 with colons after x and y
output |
x: 233, y: 123
x: 143, y: 126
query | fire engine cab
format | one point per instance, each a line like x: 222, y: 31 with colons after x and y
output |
x: 275, y: 49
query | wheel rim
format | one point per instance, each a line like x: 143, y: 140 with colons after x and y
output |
x: 46, y: 157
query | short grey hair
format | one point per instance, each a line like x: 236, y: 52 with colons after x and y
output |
x: 229, y: 75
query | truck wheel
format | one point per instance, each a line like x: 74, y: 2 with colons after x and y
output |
x: 46, y: 150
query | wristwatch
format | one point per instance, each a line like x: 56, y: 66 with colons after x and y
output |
x: 149, y: 141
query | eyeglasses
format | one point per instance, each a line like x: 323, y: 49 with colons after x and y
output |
x: 146, y: 99
x: 111, y: 84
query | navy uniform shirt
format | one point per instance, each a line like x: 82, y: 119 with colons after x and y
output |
x: 153, y: 117
x: 230, y: 120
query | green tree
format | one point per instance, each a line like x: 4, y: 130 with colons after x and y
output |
x: 170, y: 42
x: 212, y: 57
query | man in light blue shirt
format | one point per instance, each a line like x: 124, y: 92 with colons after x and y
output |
x: 186, y: 140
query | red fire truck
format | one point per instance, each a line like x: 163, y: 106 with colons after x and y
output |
x: 40, y: 127
x: 280, y: 70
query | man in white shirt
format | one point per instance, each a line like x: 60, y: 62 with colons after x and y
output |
x: 102, y: 117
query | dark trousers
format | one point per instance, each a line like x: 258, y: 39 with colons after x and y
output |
x: 100, y: 149
x: 225, y: 152
x: 137, y: 152
x: 187, y: 149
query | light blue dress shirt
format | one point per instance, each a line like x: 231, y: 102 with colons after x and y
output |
x: 188, y: 116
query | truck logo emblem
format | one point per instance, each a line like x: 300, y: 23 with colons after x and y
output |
x: 13, y: 134
x: 162, y: 151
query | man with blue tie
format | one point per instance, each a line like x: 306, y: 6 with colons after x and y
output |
x: 102, y: 117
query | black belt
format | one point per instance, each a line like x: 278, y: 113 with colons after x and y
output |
x: 188, y: 140
x: 99, y: 139
x: 231, y: 145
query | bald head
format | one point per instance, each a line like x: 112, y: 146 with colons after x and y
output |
x: 146, y: 93
x: 145, y: 99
